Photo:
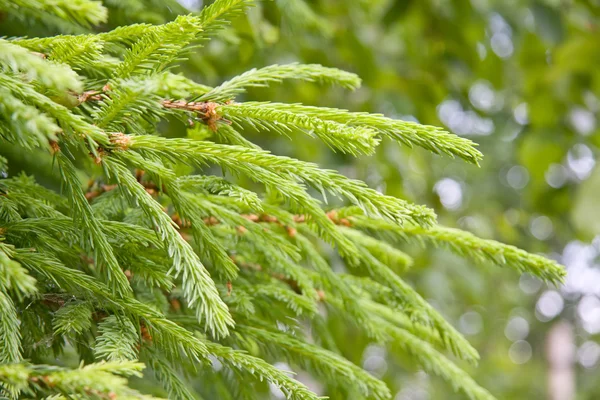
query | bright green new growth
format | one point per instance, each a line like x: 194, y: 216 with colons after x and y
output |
x: 203, y: 279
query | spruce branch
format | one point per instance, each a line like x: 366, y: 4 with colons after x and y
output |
x: 15, y: 281
x: 158, y: 48
x: 436, y: 363
x: 409, y: 133
x: 27, y: 93
x: 237, y: 359
x: 277, y: 73
x: 137, y: 264
x: 348, y: 139
x: 70, y: 15
x: 220, y: 13
x: 24, y: 124
x: 101, y: 380
x: 468, y: 245
x: 92, y: 236
x: 172, y: 339
x: 417, y: 308
x: 166, y: 375
x: 18, y: 60
x: 117, y: 340
x: 280, y: 172
x: 73, y: 318
x: 329, y: 365
x: 10, y: 336
x: 198, y: 287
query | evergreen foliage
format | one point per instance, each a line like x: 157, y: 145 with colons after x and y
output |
x: 206, y: 280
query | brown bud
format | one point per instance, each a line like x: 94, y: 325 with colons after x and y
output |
x: 291, y: 231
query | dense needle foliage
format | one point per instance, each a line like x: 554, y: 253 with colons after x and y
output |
x: 203, y: 259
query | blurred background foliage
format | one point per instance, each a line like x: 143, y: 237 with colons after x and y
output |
x: 520, y: 78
